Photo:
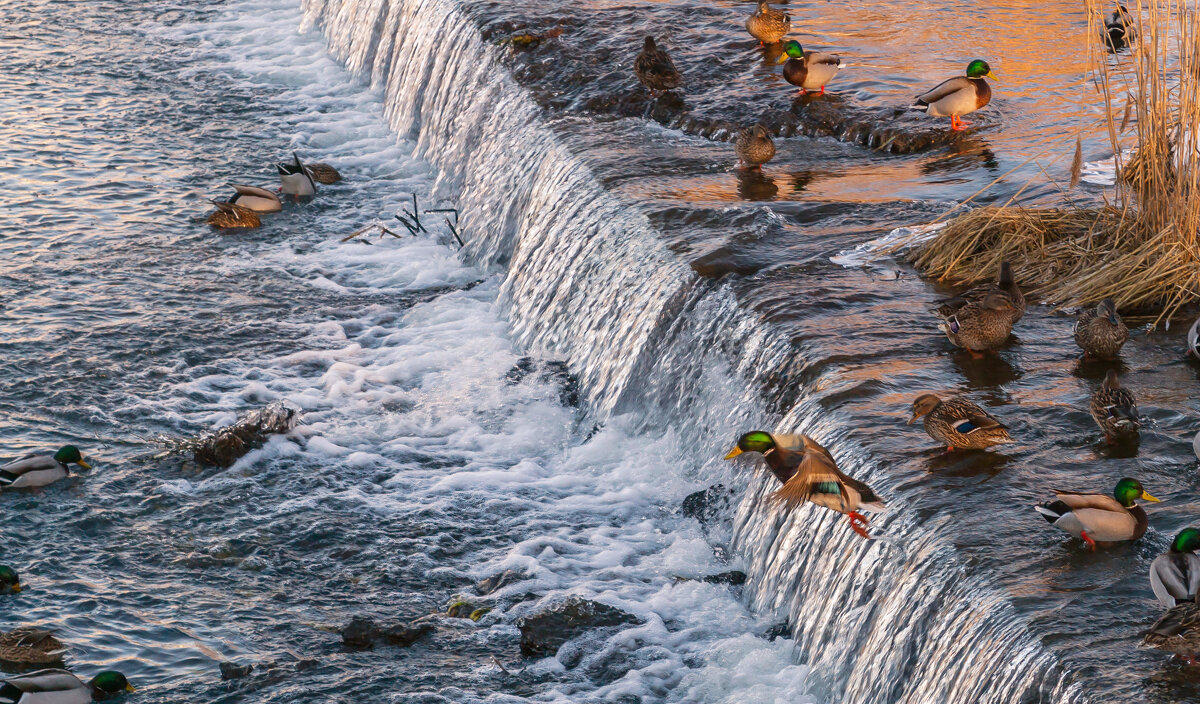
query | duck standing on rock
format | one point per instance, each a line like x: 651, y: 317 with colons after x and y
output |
x: 61, y: 687
x: 980, y: 326
x: 1114, y: 409
x: 768, y: 26
x: 1096, y: 518
x: 754, y: 147
x: 808, y: 70
x: 958, y: 423
x: 960, y: 95
x: 655, y: 69
x: 809, y: 473
x: 295, y: 180
x: 33, y: 471
x: 1100, y: 332
x: 1175, y: 579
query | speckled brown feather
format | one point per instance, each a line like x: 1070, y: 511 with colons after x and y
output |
x: 1098, y: 336
x: 941, y: 421
x: 768, y: 25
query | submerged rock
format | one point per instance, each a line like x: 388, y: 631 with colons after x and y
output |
x: 543, y: 633
x: 734, y: 577
x: 224, y: 446
x: 709, y: 504
x: 359, y: 633
x: 500, y: 580
x: 363, y: 633
x: 233, y: 671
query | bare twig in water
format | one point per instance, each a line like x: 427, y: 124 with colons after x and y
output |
x: 454, y: 230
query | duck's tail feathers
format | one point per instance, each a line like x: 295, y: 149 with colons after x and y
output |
x: 876, y: 505
x: 1052, y: 512
x: 919, y: 105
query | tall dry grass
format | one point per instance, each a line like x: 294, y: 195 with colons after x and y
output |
x: 1144, y: 250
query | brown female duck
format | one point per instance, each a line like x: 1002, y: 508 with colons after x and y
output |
x: 766, y: 25
x: 1114, y: 409
x: 229, y: 216
x: 809, y: 473
x: 31, y: 647
x: 958, y: 423
x: 1004, y: 284
x: 1100, y: 332
x: 754, y: 147
x: 323, y: 173
x: 981, y: 326
x: 655, y: 69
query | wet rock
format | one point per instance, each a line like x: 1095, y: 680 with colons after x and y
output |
x: 233, y: 671
x: 224, y: 446
x: 549, y: 372
x: 403, y: 636
x: 306, y: 664
x: 708, y: 505
x: 543, y: 633
x: 734, y: 577
x: 364, y: 633
x: 359, y: 633
x: 460, y: 609
x: 779, y: 630
x: 498, y: 581
x: 479, y: 613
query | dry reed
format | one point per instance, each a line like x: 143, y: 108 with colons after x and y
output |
x: 1143, y: 251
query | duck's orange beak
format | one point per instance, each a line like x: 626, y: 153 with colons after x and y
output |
x: 1148, y: 497
x: 733, y: 453
x: 992, y: 76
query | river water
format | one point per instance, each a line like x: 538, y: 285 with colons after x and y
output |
x: 544, y: 398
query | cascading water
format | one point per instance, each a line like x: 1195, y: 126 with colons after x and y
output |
x: 899, y: 619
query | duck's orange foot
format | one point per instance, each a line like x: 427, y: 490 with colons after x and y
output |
x: 822, y: 91
x: 949, y: 448
x: 1088, y: 539
x: 858, y: 523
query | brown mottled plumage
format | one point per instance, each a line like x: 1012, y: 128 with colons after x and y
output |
x: 1100, y: 332
x: 958, y: 423
x: 1115, y: 409
x: 980, y: 326
x: 229, y: 216
x: 1177, y: 631
x: 323, y: 173
x: 754, y: 147
x: 768, y: 26
x: 655, y: 69
x: 31, y: 647
x: 1004, y: 284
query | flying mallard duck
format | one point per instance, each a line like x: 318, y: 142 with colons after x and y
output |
x: 768, y: 26
x: 1096, y: 518
x: 809, y: 473
x: 1193, y: 339
x: 1100, y: 332
x: 1175, y: 574
x: 323, y: 173
x: 655, y: 69
x: 31, y: 647
x: 260, y: 200
x: 958, y: 424
x: 1004, y: 285
x: 960, y: 95
x: 10, y: 583
x: 809, y: 70
x: 1120, y: 30
x: 295, y: 179
x: 230, y: 217
x: 1115, y: 409
x: 32, y: 471
x: 62, y: 687
x: 980, y: 326
x: 754, y: 147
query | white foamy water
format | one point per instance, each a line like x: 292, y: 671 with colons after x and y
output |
x: 411, y: 408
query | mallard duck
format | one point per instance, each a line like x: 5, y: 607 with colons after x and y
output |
x: 809, y: 473
x: 808, y: 70
x: 1120, y: 30
x: 754, y: 147
x: 323, y: 173
x: 260, y: 200
x: 960, y: 95
x: 295, y: 179
x: 1177, y: 631
x: 32, y: 471
x: 1100, y: 332
x: 1096, y: 518
x: 1005, y: 284
x: 62, y: 687
x: 958, y: 423
x: 768, y: 26
x: 31, y: 647
x: 1115, y: 409
x: 229, y: 216
x: 655, y: 69
x: 1193, y: 339
x: 10, y: 583
x: 1175, y: 574
x: 980, y: 326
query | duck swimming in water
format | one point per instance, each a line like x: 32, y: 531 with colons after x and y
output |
x: 230, y: 217
x: 958, y: 424
x: 10, y: 582
x: 295, y: 179
x: 959, y: 96
x: 1175, y: 579
x: 809, y: 474
x: 1100, y: 332
x: 754, y: 147
x: 654, y: 68
x: 766, y: 25
x: 260, y: 200
x: 61, y: 687
x: 1114, y: 409
x: 33, y: 471
x: 1096, y: 518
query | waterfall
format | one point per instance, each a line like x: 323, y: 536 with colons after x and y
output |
x: 587, y: 278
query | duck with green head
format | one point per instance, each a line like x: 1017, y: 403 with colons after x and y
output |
x: 1175, y: 579
x: 55, y: 686
x: 1096, y: 518
x: 10, y: 582
x: 33, y: 471
x: 960, y: 95
x: 808, y: 70
x: 809, y: 473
